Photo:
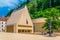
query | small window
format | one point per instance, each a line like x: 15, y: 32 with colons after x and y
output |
x: 28, y: 30
x: 26, y: 21
x: 2, y: 22
x: 25, y: 31
x: 22, y: 30
x: 19, y: 31
x: 2, y: 25
x: 2, y: 28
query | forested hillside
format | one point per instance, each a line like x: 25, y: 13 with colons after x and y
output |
x: 35, y: 6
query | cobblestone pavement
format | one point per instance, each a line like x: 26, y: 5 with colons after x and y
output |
x: 19, y: 36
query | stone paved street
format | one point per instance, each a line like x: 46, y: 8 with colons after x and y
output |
x: 19, y: 36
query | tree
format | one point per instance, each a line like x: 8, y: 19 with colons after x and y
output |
x: 35, y: 6
x: 53, y: 21
x: 9, y: 13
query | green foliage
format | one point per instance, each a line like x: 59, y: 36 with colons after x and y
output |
x: 55, y: 24
x: 50, y: 13
x: 53, y: 14
x: 35, y: 6
x: 9, y: 13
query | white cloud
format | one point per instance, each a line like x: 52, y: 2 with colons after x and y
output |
x: 8, y: 3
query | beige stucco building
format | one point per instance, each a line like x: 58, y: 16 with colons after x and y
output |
x: 20, y: 22
x: 38, y: 23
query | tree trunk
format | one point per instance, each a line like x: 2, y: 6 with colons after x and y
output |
x: 50, y: 28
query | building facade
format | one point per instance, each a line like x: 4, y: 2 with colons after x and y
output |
x: 20, y: 22
x: 2, y: 26
x: 3, y: 22
x: 38, y: 23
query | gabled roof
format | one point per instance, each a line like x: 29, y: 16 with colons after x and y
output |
x: 39, y: 20
x: 17, y: 15
x: 4, y: 18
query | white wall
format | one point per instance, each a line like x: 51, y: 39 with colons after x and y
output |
x: 2, y: 25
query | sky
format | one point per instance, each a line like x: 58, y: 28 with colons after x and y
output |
x: 7, y: 5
